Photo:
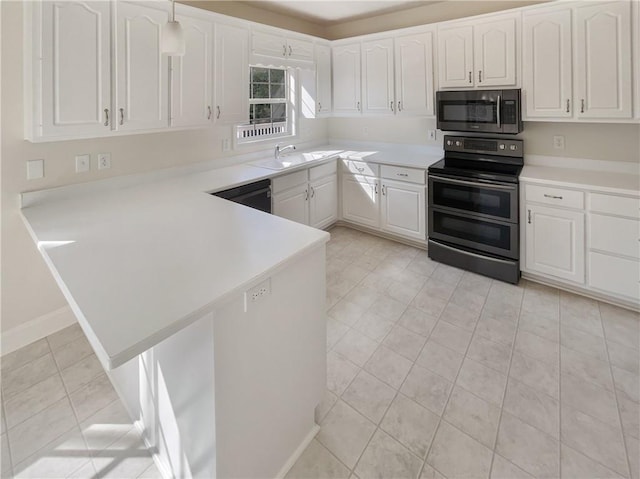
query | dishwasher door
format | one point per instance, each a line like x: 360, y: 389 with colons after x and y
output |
x: 255, y: 195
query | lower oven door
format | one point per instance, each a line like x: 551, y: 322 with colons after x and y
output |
x: 477, y: 233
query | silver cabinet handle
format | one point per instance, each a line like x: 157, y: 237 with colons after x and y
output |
x: 384, y: 190
x: 289, y: 50
x: 375, y: 188
x: 306, y: 195
x: 391, y: 105
x: 209, y: 115
x: 480, y: 76
x: 218, y: 112
x: 399, y: 107
x: 121, y: 116
x: 319, y: 106
x: 568, y: 105
x: 358, y: 106
x: 360, y: 169
x: 470, y: 80
x: 284, y: 50
x: 403, y: 174
x: 582, y: 105
x: 106, y: 117
x: 313, y: 192
x: 529, y: 216
x: 553, y: 197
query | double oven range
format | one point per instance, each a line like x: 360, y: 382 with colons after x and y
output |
x: 473, y: 206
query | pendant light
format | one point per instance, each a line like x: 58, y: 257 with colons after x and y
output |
x: 172, y: 35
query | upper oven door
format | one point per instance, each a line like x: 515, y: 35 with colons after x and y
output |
x: 487, y: 200
x: 477, y: 110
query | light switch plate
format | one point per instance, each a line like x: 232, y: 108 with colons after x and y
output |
x: 83, y: 163
x: 35, y: 169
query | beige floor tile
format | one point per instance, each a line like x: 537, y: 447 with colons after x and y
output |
x: 106, y: 426
x: 335, y: 331
x: 24, y: 355
x: 588, y: 324
x: 427, y: 389
x: 411, y: 424
x: 422, y: 265
x: 533, y: 407
x: 345, y: 433
x: 328, y: 400
x: 587, y: 368
x: 440, y: 360
x: 445, y: 454
x: 354, y: 273
x: 388, y: 308
x: 467, y: 299
x: 89, y: 399
x: 60, y: 458
x: 426, y: 302
x: 542, y: 304
x: 72, y: 352
x: 594, y: 439
x: 590, y: 399
x: 584, y: 343
x: 404, y: 342
x: 474, y: 416
x: 31, y: 401
x: 362, y: 295
x: 438, y: 289
x: 623, y: 357
x: 65, y: 336
x: 340, y: 372
x: 5, y: 458
x: 388, y: 366
x: 316, y: 462
x: 498, y: 331
x: 537, y: 374
x: 547, y: 328
x: 404, y: 293
x: 578, y: 466
x: 580, y: 305
x: 81, y: 373
x: 417, y: 321
x: 356, y: 347
x: 369, y: 396
x: 429, y: 472
x: 494, y: 355
x: 627, y: 382
x: 127, y: 457
x: 536, y: 347
x: 447, y: 274
x: 630, y: 415
x: 385, y: 457
x: 503, y: 469
x: 374, y: 326
x: 460, y: 316
x: 152, y: 472
x: 377, y: 281
x: 482, y: 381
x: 475, y: 283
x: 347, y: 312
x: 26, y: 376
x: 621, y: 326
x: 36, y: 432
x: 451, y: 336
x: 527, y: 447
x: 633, y: 451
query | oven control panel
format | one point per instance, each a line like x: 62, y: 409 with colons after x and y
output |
x: 486, y: 146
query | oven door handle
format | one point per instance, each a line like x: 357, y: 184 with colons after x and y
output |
x: 473, y: 183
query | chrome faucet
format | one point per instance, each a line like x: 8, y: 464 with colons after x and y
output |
x: 284, y: 148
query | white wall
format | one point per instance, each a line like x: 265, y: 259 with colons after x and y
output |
x: 28, y: 289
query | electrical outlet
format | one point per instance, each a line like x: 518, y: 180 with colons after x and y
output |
x: 35, y: 169
x: 104, y: 161
x: 257, y: 293
x: 431, y: 134
x: 558, y: 142
x: 83, y: 163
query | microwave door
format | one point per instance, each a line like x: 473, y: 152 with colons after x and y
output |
x: 470, y: 111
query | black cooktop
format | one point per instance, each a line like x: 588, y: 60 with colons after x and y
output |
x: 489, y: 171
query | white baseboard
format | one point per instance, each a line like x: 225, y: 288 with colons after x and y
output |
x: 36, y: 329
x: 298, y: 452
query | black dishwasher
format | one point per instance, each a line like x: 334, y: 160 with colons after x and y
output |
x: 255, y: 195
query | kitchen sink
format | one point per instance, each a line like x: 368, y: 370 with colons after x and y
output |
x: 289, y: 161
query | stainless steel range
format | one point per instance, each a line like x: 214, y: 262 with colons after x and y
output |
x: 473, y: 206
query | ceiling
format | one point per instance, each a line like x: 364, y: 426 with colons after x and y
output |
x: 329, y: 12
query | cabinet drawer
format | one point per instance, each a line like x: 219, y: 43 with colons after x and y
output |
x: 401, y: 173
x: 615, y: 205
x: 284, y: 182
x: 555, y: 196
x: 615, y: 235
x: 614, y: 275
x: 360, y: 167
x: 322, y: 170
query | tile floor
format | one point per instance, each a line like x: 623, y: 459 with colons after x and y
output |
x: 432, y: 372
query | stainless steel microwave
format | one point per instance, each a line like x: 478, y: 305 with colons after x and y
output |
x: 487, y: 111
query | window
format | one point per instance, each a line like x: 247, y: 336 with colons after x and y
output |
x: 268, y: 105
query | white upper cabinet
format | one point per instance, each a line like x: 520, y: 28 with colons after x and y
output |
x: 603, y: 60
x: 482, y: 54
x: 298, y: 49
x: 142, y: 81
x: 231, y: 73
x: 191, y: 75
x: 75, y: 96
x: 346, y: 79
x: 414, y: 74
x: 276, y: 45
x: 547, y: 63
x: 377, y: 77
x: 455, y: 57
x: 323, y: 75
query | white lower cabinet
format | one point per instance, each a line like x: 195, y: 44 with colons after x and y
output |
x: 309, y: 196
x: 403, y: 209
x: 360, y: 203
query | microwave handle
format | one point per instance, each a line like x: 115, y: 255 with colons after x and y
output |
x: 499, y: 108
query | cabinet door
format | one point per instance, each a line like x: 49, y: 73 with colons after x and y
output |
x: 191, y: 88
x: 323, y: 71
x: 360, y: 202
x: 143, y: 90
x: 404, y: 209
x: 603, y: 60
x: 346, y: 79
x: 546, y: 63
x: 377, y: 78
x: 293, y: 204
x: 76, y: 69
x: 324, y: 201
x: 301, y: 50
x: 268, y: 44
x: 308, y: 93
x: 414, y: 74
x: 555, y: 242
x: 232, y: 74
x: 455, y: 57
x: 494, y: 45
